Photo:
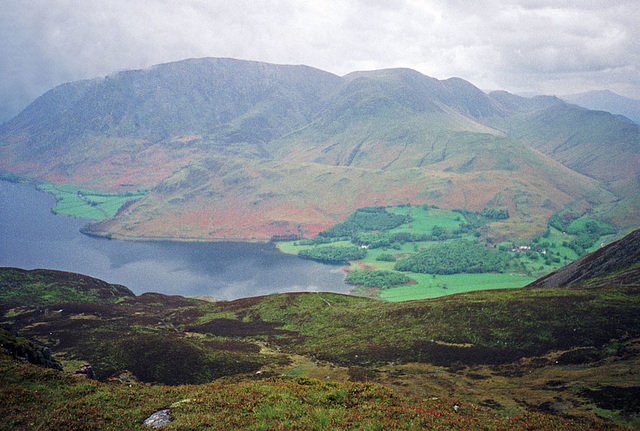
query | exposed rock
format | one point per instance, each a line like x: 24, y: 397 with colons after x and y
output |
x: 86, y: 371
x: 158, y: 419
x: 27, y: 350
x: 126, y: 377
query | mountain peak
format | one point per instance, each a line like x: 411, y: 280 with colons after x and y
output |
x: 607, y: 100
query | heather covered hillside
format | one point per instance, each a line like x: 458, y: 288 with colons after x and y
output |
x: 230, y: 149
x: 554, y: 357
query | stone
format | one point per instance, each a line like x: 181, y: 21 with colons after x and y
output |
x: 158, y: 419
x: 86, y: 371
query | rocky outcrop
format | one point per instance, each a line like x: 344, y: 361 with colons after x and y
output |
x: 85, y: 371
x: 158, y: 419
x: 26, y: 350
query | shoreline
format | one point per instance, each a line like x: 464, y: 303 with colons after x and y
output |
x: 123, y: 237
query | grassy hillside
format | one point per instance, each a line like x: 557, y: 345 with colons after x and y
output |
x: 560, y: 351
x: 221, y: 197
x: 48, y: 400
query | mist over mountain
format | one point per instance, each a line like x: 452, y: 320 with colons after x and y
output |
x: 605, y: 100
x: 231, y: 149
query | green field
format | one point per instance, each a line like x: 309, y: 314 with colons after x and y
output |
x: 528, y: 259
x: 83, y: 203
x: 434, y: 286
x: 425, y: 218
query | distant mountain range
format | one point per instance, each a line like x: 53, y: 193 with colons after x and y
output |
x: 231, y: 149
x: 605, y: 100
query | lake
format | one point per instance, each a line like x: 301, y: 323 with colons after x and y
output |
x: 31, y: 236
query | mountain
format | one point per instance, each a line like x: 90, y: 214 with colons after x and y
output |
x: 605, y: 100
x: 557, y: 356
x: 230, y: 149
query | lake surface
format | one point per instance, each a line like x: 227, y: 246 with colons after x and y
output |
x: 31, y: 236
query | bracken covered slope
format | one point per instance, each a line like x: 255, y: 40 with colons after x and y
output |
x: 231, y: 149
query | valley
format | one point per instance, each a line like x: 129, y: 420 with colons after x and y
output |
x: 490, y: 239
x: 251, y: 151
x: 405, y: 253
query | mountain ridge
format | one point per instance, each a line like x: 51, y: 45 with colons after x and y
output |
x: 606, y: 100
x: 235, y: 130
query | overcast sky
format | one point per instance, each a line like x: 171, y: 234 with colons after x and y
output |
x: 522, y: 46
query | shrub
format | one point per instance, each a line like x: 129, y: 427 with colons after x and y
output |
x: 386, y: 257
x: 366, y: 219
x: 382, y: 279
x: 333, y: 254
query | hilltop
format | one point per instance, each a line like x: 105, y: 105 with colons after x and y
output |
x: 560, y: 349
x: 230, y: 149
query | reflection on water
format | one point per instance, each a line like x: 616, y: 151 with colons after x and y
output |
x: 32, y: 237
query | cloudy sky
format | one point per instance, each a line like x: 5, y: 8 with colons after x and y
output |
x: 523, y: 46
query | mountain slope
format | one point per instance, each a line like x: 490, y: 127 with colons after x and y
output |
x: 224, y: 99
x: 231, y: 149
x: 597, y: 144
x: 615, y: 264
x: 605, y: 100
x: 563, y: 351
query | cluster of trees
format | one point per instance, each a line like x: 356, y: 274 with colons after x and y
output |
x: 370, y: 228
x: 562, y: 221
x: 366, y: 219
x: 587, y: 235
x: 382, y: 239
x: 586, y: 232
x: 318, y: 240
x: 380, y: 278
x: 454, y: 258
x: 475, y: 219
x: 333, y: 254
x: 386, y: 257
x: 387, y: 239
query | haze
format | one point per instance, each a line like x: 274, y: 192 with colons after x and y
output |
x: 525, y: 46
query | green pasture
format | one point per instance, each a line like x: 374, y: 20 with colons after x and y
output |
x: 82, y: 203
x: 424, y: 219
x: 434, y: 286
x: 546, y: 253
